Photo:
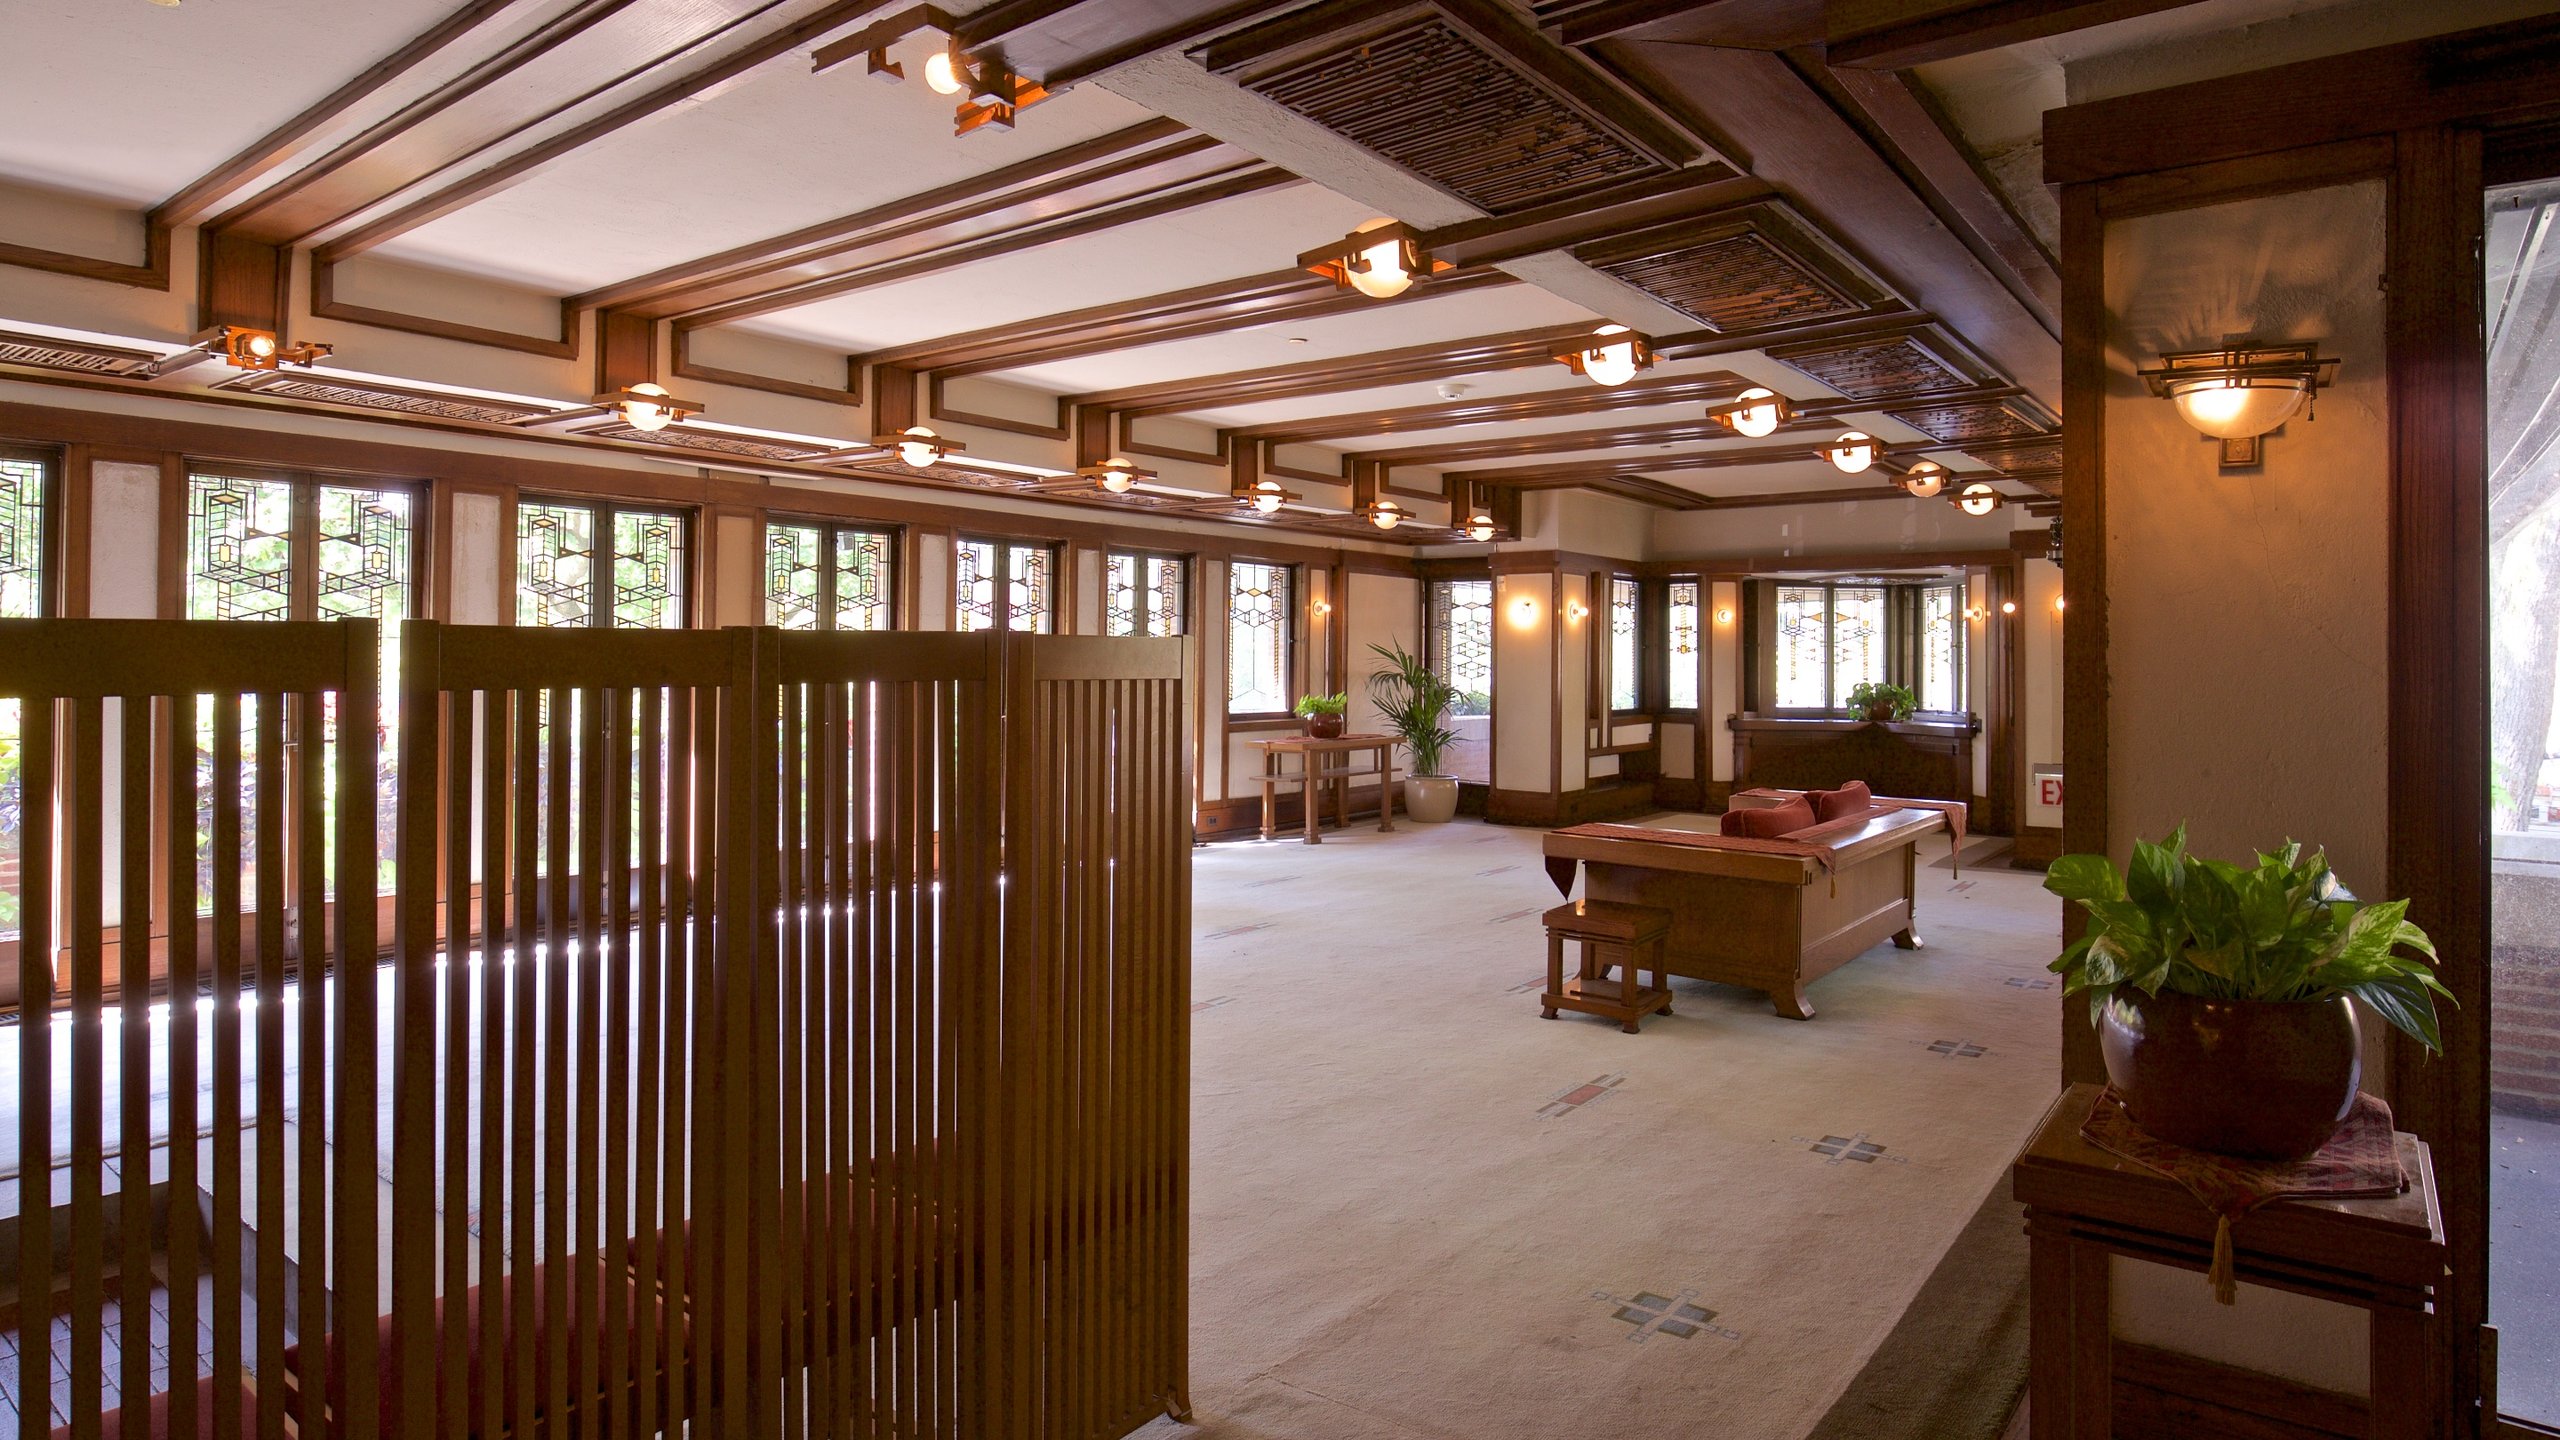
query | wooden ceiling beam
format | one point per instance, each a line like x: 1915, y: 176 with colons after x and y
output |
x: 1714, y: 388
x: 1898, y: 34
x: 1812, y: 417
x: 1581, y: 471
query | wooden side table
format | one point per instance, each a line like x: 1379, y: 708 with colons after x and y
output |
x: 2086, y: 1205
x: 1322, y: 762
x: 1615, y: 935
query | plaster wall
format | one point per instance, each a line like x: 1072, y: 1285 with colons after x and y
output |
x: 1573, y: 681
x: 1524, y: 674
x: 479, y: 556
x: 2040, y: 707
x: 1382, y: 610
x: 124, y: 540
x: 1723, y: 690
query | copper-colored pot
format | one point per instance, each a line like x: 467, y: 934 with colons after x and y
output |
x: 1324, y: 727
x: 2266, y: 1079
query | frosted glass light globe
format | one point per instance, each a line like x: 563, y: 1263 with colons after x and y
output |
x: 1380, y: 273
x: 1851, y: 453
x: 1610, y: 364
x: 1758, y: 415
x: 918, y: 450
x: 644, y: 416
x: 2227, y: 410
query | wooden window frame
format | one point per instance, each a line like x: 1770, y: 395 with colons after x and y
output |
x: 1004, y: 548
x: 52, y: 542
x: 1189, y: 586
x: 1292, y: 611
x: 302, y: 596
x: 1657, y: 648
x: 605, y: 511
x: 830, y: 530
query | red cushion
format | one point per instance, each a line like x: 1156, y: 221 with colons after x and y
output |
x: 1853, y: 798
x: 1768, y: 823
x: 158, y: 1424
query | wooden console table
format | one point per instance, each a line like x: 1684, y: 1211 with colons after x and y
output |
x: 2086, y: 1206
x: 1316, y: 768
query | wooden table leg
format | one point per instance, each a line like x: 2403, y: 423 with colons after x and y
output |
x: 1387, y: 788
x: 1342, y: 798
x: 2402, y: 1390
x: 1311, y: 800
x: 1555, y: 974
x: 1270, y: 768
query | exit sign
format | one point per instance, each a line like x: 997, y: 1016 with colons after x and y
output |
x: 2049, y: 790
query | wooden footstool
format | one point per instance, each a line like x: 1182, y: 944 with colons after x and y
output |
x: 1616, y: 936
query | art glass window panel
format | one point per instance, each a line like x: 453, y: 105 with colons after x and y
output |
x: 1682, y: 648
x: 364, y: 547
x: 1120, y: 595
x: 1461, y: 641
x: 1258, y: 617
x: 1803, y: 669
x: 795, y: 575
x: 22, y: 532
x: 648, y: 570
x: 866, y: 580
x: 1857, y: 638
x: 1143, y: 595
x: 555, y: 564
x: 1623, y: 662
x: 1030, y: 598
x: 974, y: 575
x: 239, y: 548
x: 1942, y: 648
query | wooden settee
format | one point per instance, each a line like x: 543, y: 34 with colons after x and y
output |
x: 1771, y: 915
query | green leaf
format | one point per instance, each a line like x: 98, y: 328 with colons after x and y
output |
x: 2402, y: 1000
x: 2084, y: 878
x: 2156, y: 878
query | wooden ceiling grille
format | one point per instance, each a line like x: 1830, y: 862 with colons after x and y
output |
x: 373, y: 395
x: 46, y: 353
x: 1755, y: 268
x: 1976, y: 420
x: 753, y: 447
x: 1458, y: 92
x: 1896, y: 365
x: 2026, y: 459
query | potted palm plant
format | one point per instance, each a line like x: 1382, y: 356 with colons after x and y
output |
x: 1416, y: 704
x: 2225, y: 996
x: 1323, y: 714
x: 1881, y: 701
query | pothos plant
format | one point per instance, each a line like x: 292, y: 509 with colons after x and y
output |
x: 2282, y: 929
x: 1310, y: 706
x: 1868, y: 696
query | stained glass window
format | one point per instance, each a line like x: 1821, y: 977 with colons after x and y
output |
x: 646, y: 566
x: 1857, y: 638
x: 1005, y: 584
x: 239, y: 548
x: 1804, y: 647
x: 819, y: 577
x: 1143, y: 595
x: 1941, y: 684
x: 1461, y: 641
x: 22, y: 536
x: 1681, y: 633
x: 1624, y: 693
x: 1258, y: 622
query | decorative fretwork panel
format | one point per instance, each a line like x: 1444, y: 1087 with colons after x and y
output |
x: 1461, y: 641
x: 239, y: 548
x: 22, y: 534
x: 1258, y: 620
x: 1624, y: 692
x: 1680, y: 615
x: 1143, y: 595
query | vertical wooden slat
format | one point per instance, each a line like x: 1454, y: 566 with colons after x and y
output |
x: 866, y: 1103
x: 683, y: 965
x: 462, y: 759
x: 650, y: 1210
x: 36, y: 940
x: 85, y: 922
x: 581, y: 1262
x: 613, y: 818
x: 501, y: 933
x: 415, y: 1048
x: 802, y: 1211
x: 357, y: 1216
x: 518, y: 1334
x: 558, y: 801
x: 223, y: 802
x: 845, y: 1183
x: 133, y: 1030
x: 302, y: 865
x: 178, y: 819
x: 268, y: 877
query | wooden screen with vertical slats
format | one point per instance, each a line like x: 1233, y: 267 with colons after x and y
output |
x: 204, y: 768
x: 783, y: 1034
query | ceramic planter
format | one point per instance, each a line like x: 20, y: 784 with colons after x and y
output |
x: 1430, y: 799
x: 1324, y: 727
x: 2266, y: 1079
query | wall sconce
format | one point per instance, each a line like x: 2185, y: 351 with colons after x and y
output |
x: 1724, y: 615
x: 1574, y: 610
x: 1852, y: 453
x: 919, y: 448
x: 1320, y: 608
x: 1976, y: 613
x: 1613, y: 363
x: 648, y: 408
x: 1977, y: 498
x: 1116, y: 475
x: 1923, y: 480
x: 2057, y: 606
x: 1755, y: 412
x: 1385, y: 514
x: 2240, y: 392
x: 1524, y: 611
x: 1381, y: 260
x: 2008, y: 607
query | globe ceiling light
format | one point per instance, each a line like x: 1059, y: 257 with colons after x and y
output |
x: 1266, y: 497
x: 943, y: 72
x: 2240, y: 392
x: 1615, y: 361
x: 1117, y: 475
x: 1925, y: 479
x: 1978, y: 498
x: 1852, y: 453
x: 1757, y: 413
x: 641, y: 410
x: 1480, y: 527
x: 1385, y: 514
x: 920, y: 447
x: 1381, y: 260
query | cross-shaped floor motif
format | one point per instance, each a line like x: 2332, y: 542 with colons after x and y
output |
x: 1679, y: 1317
x: 1958, y: 1049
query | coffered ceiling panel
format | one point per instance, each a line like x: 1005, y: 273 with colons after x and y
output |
x: 1747, y: 269
x: 1895, y: 365
x: 1977, y: 420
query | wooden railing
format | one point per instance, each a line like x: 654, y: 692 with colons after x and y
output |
x: 854, y: 1103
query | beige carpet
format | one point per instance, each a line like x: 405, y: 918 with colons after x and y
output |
x: 1419, y: 1210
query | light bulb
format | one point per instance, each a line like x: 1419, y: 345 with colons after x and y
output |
x: 262, y: 344
x: 1480, y: 527
x: 2008, y: 607
x: 918, y: 450
x: 2229, y: 411
x: 1758, y: 415
x: 1926, y: 479
x: 1724, y: 617
x: 644, y: 416
x: 1852, y: 453
x: 1379, y: 271
x: 1612, y: 364
x: 1384, y: 515
x: 1978, y: 498
x: 1266, y: 496
x: 942, y: 72
x: 1116, y: 477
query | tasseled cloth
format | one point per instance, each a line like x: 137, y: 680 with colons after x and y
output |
x: 2359, y: 1162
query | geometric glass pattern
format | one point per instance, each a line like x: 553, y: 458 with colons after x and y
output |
x: 22, y: 533
x: 1941, y: 684
x: 239, y: 548
x: 1682, y: 634
x: 558, y: 572
x: 1003, y: 584
x: 817, y: 578
x: 1804, y: 647
x: 1622, y: 644
x: 1143, y: 595
x: 1258, y: 618
x: 1460, y: 639
x: 364, y: 554
x: 1857, y: 638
